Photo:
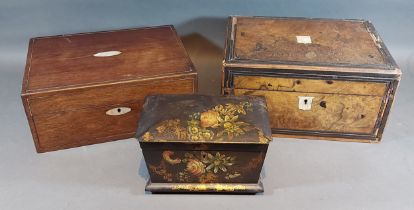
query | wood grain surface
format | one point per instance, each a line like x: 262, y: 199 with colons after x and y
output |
x: 109, y: 94
x: 310, y: 85
x: 85, y: 126
x: 71, y: 81
x: 68, y: 60
x: 331, y: 41
x: 343, y: 64
x: 329, y: 112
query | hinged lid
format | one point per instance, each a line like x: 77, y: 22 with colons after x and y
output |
x: 271, y: 42
x: 78, y: 60
x: 199, y: 118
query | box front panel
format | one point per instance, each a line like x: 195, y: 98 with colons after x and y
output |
x: 108, y: 94
x: 318, y: 107
x: 86, y: 126
x: 310, y: 85
x: 94, y: 115
x: 320, y: 112
x: 204, y: 166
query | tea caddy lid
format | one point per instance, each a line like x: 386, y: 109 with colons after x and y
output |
x: 204, y: 119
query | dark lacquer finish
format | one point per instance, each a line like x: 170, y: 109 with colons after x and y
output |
x: 197, y: 143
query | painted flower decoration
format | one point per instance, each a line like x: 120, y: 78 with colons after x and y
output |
x: 147, y: 136
x: 222, y: 122
x: 209, y: 119
x: 196, y: 167
x: 196, y: 131
x: 208, y: 177
x: 233, y: 128
x: 217, y: 162
x: 167, y: 157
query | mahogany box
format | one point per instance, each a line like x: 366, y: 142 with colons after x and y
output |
x: 322, y: 78
x: 197, y: 143
x: 88, y: 88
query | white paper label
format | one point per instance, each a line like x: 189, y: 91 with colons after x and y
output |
x: 305, y: 102
x: 107, y: 54
x: 303, y: 39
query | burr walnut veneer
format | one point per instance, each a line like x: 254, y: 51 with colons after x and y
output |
x: 322, y: 78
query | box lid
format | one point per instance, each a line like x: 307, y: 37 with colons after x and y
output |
x: 200, y: 118
x: 77, y: 60
x: 267, y: 42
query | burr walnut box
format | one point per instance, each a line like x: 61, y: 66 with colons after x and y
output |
x: 322, y: 78
x: 88, y: 88
x: 196, y: 143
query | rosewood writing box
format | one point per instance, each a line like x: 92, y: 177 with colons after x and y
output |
x: 196, y: 143
x: 88, y: 88
x: 323, y: 78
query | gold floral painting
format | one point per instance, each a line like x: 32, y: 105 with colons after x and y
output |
x: 192, y: 139
x: 205, y: 167
x: 223, y: 122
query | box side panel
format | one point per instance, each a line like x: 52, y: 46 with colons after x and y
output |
x: 388, y: 102
x: 25, y: 81
x: 227, y: 51
x: 31, y: 122
x: 24, y: 97
x: 202, y: 163
x: 229, y: 40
